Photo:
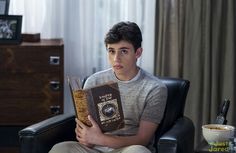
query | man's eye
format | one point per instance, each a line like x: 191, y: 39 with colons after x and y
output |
x: 124, y: 51
x: 111, y: 51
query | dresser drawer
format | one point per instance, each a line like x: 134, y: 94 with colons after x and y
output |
x: 31, y: 82
x: 30, y: 60
x: 29, y: 98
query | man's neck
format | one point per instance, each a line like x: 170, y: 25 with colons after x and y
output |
x: 129, y: 76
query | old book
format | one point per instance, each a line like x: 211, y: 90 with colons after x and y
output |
x: 102, y: 102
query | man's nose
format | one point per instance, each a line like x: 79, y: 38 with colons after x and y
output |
x: 117, y: 56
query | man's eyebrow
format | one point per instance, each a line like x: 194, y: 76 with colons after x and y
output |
x: 110, y: 48
x: 124, y: 48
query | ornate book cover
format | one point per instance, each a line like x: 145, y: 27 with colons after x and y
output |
x: 102, y: 102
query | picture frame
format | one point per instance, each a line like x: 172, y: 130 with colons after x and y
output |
x: 4, y: 7
x: 10, y: 29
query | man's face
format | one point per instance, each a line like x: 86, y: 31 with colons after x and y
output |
x: 122, y: 58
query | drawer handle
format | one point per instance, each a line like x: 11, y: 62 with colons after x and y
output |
x: 55, y: 85
x: 55, y: 109
x: 54, y: 60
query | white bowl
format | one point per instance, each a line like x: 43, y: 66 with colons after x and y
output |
x: 215, y: 133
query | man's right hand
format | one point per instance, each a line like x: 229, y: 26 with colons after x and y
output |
x: 85, y: 134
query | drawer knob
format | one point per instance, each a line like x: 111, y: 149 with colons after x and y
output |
x: 54, y: 60
x: 55, y: 109
x: 55, y: 85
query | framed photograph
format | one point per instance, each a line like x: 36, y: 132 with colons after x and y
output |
x: 10, y: 29
x: 4, y: 7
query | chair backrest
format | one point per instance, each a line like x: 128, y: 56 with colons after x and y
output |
x: 177, y: 92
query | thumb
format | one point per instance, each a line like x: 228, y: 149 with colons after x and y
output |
x: 94, y: 123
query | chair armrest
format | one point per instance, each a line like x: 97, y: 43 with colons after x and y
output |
x: 40, y: 137
x: 179, y: 139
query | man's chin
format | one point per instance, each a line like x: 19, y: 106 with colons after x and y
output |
x: 118, y: 72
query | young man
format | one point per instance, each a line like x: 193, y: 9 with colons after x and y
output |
x: 143, y: 99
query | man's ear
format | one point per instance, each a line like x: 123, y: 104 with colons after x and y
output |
x: 139, y: 52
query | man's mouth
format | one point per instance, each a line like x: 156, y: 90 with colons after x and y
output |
x: 117, y: 67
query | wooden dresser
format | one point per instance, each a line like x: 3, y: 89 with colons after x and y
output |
x: 31, y: 82
x: 31, y: 87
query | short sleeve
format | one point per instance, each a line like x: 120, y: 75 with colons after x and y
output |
x: 155, y: 104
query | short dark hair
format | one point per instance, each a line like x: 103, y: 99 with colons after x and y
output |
x: 128, y: 31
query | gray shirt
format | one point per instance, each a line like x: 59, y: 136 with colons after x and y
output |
x: 143, y: 98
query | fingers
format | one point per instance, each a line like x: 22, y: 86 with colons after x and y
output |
x: 77, y: 131
x: 77, y: 138
x: 79, y: 127
x: 80, y: 124
x: 80, y: 138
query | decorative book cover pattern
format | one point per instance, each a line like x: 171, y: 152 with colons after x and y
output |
x: 102, y: 102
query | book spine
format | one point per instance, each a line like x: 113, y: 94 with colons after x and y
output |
x: 81, y: 106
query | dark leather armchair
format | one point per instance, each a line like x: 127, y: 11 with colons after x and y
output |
x: 174, y: 135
